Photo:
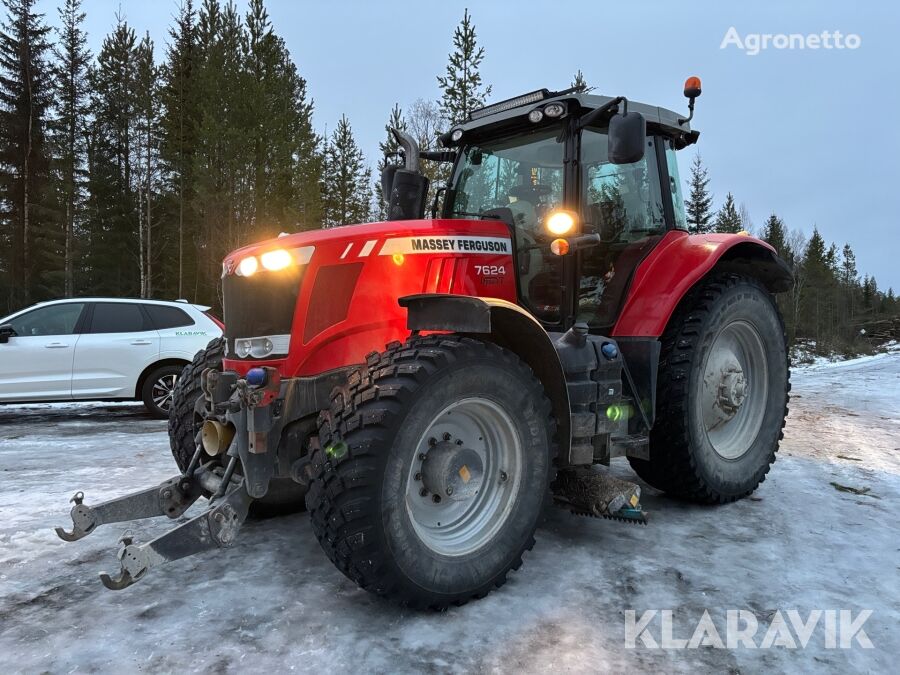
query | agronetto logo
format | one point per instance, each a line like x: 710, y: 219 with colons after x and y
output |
x: 753, y: 43
x: 739, y: 628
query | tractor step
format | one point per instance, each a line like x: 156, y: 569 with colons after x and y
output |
x: 598, y: 495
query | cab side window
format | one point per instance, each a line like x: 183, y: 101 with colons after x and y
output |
x: 52, y: 320
x: 118, y: 317
x: 624, y: 201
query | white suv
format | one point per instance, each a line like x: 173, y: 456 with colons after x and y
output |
x: 101, y: 349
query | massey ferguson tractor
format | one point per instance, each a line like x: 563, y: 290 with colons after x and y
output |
x: 428, y: 385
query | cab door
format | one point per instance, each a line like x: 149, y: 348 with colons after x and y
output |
x: 117, y: 344
x: 36, y: 362
x: 630, y: 207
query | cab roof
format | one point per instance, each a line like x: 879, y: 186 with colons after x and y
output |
x: 666, y: 121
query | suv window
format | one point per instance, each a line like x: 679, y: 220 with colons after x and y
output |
x: 163, y: 316
x: 52, y: 320
x: 117, y: 317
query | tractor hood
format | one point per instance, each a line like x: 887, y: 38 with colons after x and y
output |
x: 314, y: 301
x: 385, y: 238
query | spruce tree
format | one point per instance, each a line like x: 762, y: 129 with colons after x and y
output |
x: 848, y: 274
x: 180, y: 118
x: 775, y: 234
x: 462, y: 88
x: 113, y: 250
x: 71, y: 92
x: 867, y: 292
x: 222, y: 199
x: 698, y: 205
x: 579, y: 82
x: 347, y: 180
x: 31, y: 250
x: 146, y: 156
x: 728, y: 220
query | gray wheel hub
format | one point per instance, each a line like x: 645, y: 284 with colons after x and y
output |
x: 734, y: 389
x: 464, y: 477
x: 452, y: 471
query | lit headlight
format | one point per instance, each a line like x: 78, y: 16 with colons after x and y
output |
x: 276, y: 260
x: 560, y: 223
x: 262, y: 347
x: 272, y: 261
x: 248, y: 266
x: 456, y: 135
x: 535, y: 116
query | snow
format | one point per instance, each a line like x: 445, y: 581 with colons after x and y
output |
x: 275, y: 603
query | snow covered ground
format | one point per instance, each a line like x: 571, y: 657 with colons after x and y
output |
x: 274, y: 603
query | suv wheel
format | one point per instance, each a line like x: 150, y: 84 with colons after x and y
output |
x: 159, y: 388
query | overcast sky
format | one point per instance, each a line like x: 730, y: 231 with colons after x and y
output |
x: 810, y: 134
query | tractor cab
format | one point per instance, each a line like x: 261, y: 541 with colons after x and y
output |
x: 570, y: 173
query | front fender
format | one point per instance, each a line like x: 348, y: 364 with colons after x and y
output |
x: 679, y: 262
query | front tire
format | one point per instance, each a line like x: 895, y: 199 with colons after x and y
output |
x: 722, y: 393
x: 433, y: 468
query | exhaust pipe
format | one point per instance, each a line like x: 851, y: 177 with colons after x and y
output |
x: 216, y: 437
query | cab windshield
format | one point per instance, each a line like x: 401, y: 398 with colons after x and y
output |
x: 523, y: 174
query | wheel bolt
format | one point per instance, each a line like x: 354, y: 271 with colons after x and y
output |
x: 446, y: 436
x: 421, y: 456
x: 459, y: 441
x: 418, y: 476
x: 503, y: 476
x: 432, y: 441
x: 449, y: 490
x: 423, y: 492
x: 436, y: 499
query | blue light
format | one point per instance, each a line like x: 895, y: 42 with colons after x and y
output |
x: 256, y: 377
x: 609, y: 350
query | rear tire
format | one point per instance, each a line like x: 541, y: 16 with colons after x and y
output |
x: 391, y: 520
x: 722, y: 393
x: 186, y: 418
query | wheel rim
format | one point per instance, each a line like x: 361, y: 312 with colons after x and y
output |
x: 464, y: 477
x: 162, y: 392
x: 734, y: 389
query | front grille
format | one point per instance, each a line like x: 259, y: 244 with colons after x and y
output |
x: 262, y: 304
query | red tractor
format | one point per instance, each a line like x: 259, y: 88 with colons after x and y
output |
x: 555, y: 314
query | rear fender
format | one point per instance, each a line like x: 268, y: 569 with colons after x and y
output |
x: 679, y: 262
x: 506, y: 325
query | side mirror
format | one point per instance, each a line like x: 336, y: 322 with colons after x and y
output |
x: 627, y: 138
x: 6, y: 332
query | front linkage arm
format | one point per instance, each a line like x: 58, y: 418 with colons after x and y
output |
x: 248, y: 408
x: 171, y: 498
x: 214, y: 528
